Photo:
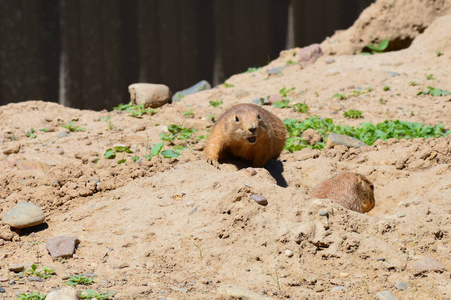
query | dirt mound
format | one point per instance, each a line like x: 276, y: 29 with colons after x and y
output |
x: 398, y: 21
x: 180, y: 228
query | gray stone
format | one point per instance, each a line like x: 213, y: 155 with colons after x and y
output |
x: 393, y: 73
x: 339, y: 288
x: 330, y: 60
x: 2, y: 290
x: 12, y: 148
x: 198, y: 87
x: 427, y: 264
x: 275, y: 70
x: 311, y: 136
x: 62, y: 134
x: 16, y: 267
x: 400, y: 215
x: 239, y: 292
x: 336, y: 139
x: 385, y: 295
x: 259, y: 199
x: 35, y: 278
x: 62, y: 246
x: 400, y: 286
x: 65, y: 293
x: 323, y: 213
x: 23, y: 215
x: 308, y: 55
x: 6, y: 233
x: 149, y: 94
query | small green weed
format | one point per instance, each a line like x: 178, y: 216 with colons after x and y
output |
x: 110, y: 153
x: 136, y: 111
x: 435, y: 92
x: 188, y: 113
x: 156, y: 150
x: 216, y: 103
x: 72, y: 128
x: 383, y: 101
x: 386, y: 88
x: 228, y: 85
x: 276, y: 279
x: 340, y: 96
x: 375, y: 49
x: 31, y: 133
x: 301, y: 107
x: 430, y: 76
x: 44, y: 129
x: 438, y: 53
x: 90, y: 294
x: 413, y: 83
x: 177, y: 132
x: 33, y: 272
x: 79, y: 279
x: 251, y: 70
x: 32, y: 296
x: 284, y: 103
x: 353, y: 114
x: 291, y: 62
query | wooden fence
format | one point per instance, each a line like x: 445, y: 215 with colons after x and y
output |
x: 85, y: 53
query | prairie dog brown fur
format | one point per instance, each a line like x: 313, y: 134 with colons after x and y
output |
x: 246, y: 131
x: 350, y: 190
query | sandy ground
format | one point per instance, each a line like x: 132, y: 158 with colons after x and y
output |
x: 182, y: 229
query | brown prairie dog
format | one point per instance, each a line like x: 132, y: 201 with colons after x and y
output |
x: 247, y: 131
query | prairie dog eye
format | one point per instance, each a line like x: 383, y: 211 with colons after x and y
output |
x: 258, y: 117
x: 236, y: 119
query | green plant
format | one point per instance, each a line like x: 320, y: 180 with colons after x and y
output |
x: 375, y: 49
x: 301, y: 107
x: 188, y: 113
x: 430, y: 76
x: 33, y: 272
x: 79, y: 279
x: 285, y: 102
x: 156, y: 149
x: 435, y: 92
x: 340, y: 96
x: 72, y: 128
x: 110, y: 153
x: 251, y: 70
x: 353, y: 114
x: 366, y: 132
x: 31, y: 133
x: 200, y: 250
x: 386, y: 88
x: 216, y: 102
x: 136, y: 111
x: 284, y: 91
x: 276, y: 279
x: 228, y: 85
x: 413, y: 83
x: 383, y: 101
x: 291, y: 62
x: 90, y: 294
x: 170, y: 153
x: 177, y: 132
x: 32, y: 296
x: 44, y: 129
x: 438, y: 53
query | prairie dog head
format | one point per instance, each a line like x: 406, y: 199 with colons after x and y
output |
x: 366, y: 189
x: 245, y: 124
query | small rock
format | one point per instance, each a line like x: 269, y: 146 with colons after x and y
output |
x: 335, y: 139
x: 385, y: 295
x: 401, y: 215
x: 332, y: 72
x: 308, y: 55
x: 149, y: 94
x: 275, y: 70
x: 330, y: 60
x: 62, y: 134
x: 35, y: 278
x: 2, y: 290
x: 288, y: 253
x: 250, y: 171
x: 6, y: 233
x: 393, y: 73
x: 65, y: 293
x: 400, y: 286
x: 4, y: 279
x: 427, y: 264
x: 238, y: 292
x: 323, y: 213
x: 23, y: 215
x: 62, y: 246
x: 198, y: 87
x: 123, y: 266
x: 16, y: 268
x: 311, y: 136
x: 259, y: 199
x: 12, y: 148
x: 339, y: 288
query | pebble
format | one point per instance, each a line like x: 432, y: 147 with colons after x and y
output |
x: 62, y: 134
x: 288, y: 253
x: 250, y: 171
x: 323, y: 213
x: 275, y: 70
x: 336, y: 139
x: 4, y: 279
x: 427, y: 264
x: 35, y: 278
x: 2, y: 290
x: 16, y: 267
x: 23, y: 215
x: 65, y: 293
x: 149, y: 94
x: 200, y: 86
x: 332, y: 72
x: 339, y: 288
x: 385, y: 295
x: 393, y: 73
x: 259, y: 199
x: 12, y: 149
x: 401, y: 215
x: 308, y: 55
x: 62, y: 246
x: 238, y: 292
x: 330, y: 60
x: 400, y: 286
